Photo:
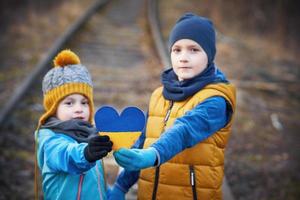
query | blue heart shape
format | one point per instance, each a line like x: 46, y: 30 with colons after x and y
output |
x: 107, y: 119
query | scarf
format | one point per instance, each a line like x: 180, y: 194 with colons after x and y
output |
x: 77, y: 129
x: 176, y: 90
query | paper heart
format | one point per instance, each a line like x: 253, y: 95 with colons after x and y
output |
x: 124, y: 129
x: 131, y: 119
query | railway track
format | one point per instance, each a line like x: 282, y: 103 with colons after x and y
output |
x: 116, y: 46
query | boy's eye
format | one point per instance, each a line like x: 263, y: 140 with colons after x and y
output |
x: 176, y: 50
x: 194, y: 50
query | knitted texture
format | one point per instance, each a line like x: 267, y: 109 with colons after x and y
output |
x: 68, y: 74
x: 62, y: 81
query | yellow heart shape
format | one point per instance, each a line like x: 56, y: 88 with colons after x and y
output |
x: 122, y: 139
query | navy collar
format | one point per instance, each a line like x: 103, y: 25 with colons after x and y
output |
x: 176, y: 90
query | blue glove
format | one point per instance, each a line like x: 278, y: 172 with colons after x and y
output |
x: 115, y: 193
x: 135, y: 159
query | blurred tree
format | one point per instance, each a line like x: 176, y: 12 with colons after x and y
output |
x: 279, y: 19
x: 13, y: 9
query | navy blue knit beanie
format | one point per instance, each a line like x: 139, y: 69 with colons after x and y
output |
x: 197, y: 28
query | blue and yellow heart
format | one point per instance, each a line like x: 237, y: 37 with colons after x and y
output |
x: 123, y: 129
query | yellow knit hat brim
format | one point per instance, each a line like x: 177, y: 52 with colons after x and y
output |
x: 54, y: 96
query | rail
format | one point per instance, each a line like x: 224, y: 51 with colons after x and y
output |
x: 43, y: 63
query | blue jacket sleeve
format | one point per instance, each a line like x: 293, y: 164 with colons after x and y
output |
x: 127, y: 179
x: 195, y: 126
x: 63, y: 154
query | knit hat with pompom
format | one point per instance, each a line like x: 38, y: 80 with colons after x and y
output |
x: 67, y: 77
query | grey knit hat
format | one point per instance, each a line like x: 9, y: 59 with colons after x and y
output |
x: 68, y: 74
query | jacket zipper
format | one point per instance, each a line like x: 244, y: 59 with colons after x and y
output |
x: 99, y: 181
x: 80, y: 186
x: 157, y: 168
x: 193, y: 181
x: 168, y: 114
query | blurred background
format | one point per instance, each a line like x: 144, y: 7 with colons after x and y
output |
x: 258, y: 48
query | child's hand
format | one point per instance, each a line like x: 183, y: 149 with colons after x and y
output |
x: 115, y: 193
x: 97, y: 148
x: 135, y: 159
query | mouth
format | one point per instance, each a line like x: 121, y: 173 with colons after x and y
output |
x: 185, y: 68
x: 79, y: 118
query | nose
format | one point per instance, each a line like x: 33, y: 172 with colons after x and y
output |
x: 183, y: 57
x: 78, y: 108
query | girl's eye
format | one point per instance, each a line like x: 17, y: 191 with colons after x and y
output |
x: 195, y: 50
x: 85, y: 103
x: 68, y: 103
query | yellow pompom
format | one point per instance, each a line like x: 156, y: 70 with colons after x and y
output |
x: 66, y: 57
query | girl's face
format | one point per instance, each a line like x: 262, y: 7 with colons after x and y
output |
x: 188, y: 59
x: 74, y: 106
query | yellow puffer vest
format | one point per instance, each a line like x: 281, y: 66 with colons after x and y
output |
x: 196, y: 172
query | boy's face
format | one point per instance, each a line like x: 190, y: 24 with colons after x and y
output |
x: 74, y: 106
x: 188, y: 59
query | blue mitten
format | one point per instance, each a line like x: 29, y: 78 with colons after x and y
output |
x: 115, y: 193
x: 135, y: 159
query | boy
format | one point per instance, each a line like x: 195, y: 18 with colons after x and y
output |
x: 188, y: 125
x: 67, y: 145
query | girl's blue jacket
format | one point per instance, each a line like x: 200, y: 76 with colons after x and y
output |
x: 66, y: 174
